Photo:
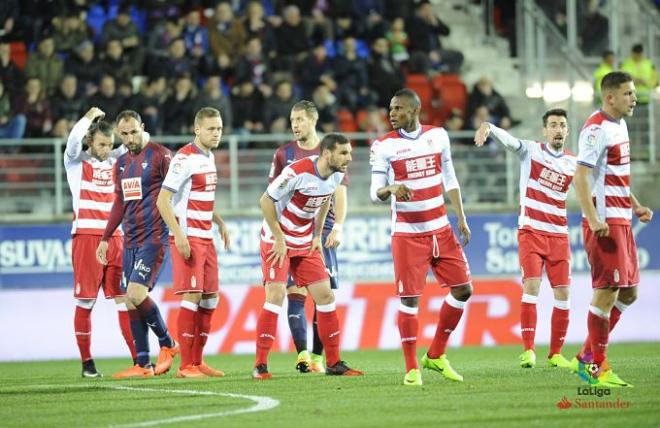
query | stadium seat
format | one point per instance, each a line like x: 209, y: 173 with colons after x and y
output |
x: 18, y: 53
x: 346, y: 121
x: 451, y: 92
x: 421, y: 84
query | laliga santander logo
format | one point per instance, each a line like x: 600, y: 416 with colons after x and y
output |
x: 564, y: 403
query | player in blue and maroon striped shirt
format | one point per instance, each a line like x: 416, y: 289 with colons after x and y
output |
x: 139, y: 175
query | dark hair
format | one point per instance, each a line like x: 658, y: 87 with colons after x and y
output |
x: 638, y: 48
x: 100, y: 126
x: 330, y: 141
x: 308, y: 107
x: 554, y: 112
x: 607, y: 53
x: 127, y: 114
x: 205, y: 112
x: 614, y: 79
x: 411, y: 95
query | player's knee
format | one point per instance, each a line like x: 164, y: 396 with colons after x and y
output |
x: 629, y: 297
x: 85, y: 303
x: 275, y: 293
x: 325, y: 298
x: 411, y: 302
x: 462, y: 293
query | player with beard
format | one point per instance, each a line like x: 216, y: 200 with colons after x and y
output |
x: 546, y: 172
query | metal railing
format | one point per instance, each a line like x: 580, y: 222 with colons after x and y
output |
x: 33, y: 184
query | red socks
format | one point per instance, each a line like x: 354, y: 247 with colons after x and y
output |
x: 615, y: 315
x: 559, y: 323
x: 186, y: 330
x: 125, y: 327
x: 204, y: 316
x: 266, y: 330
x: 328, y: 326
x: 408, y: 326
x: 450, y: 314
x: 82, y: 324
x: 599, y: 331
x: 528, y: 324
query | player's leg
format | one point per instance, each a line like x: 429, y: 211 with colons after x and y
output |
x: 297, y: 319
x: 207, y: 306
x: 528, y: 319
x: 82, y: 324
x: 451, y: 269
x: 411, y: 257
x: 328, y: 322
x: 558, y: 267
x: 186, y: 326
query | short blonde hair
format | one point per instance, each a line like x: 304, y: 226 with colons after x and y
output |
x: 206, y: 112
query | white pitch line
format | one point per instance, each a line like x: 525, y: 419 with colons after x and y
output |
x: 262, y: 403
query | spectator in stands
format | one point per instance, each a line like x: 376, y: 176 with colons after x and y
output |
x: 67, y: 103
x: 278, y: 108
x: 398, y: 39
x: 371, y: 13
x: 179, y: 107
x: 374, y: 121
x: 642, y: 70
x: 346, y: 26
x: 84, y: 65
x: 213, y: 96
x: 398, y: 8
x: 70, y: 31
x: 254, y: 65
x: 195, y: 36
x: 292, y: 41
x: 9, y: 14
x: 317, y: 68
x: 176, y: 64
x: 594, y: 28
x: 227, y: 35
x: 351, y: 71
x: 247, y: 105
x: 483, y: 94
x: 34, y: 105
x: 45, y: 65
x: 12, y: 76
x: 326, y: 104
x: 115, y: 63
x: 107, y: 98
x: 159, y: 40
x: 256, y: 25
x: 12, y: 125
x: 385, y: 76
x: 124, y: 29
x: 606, y: 66
x: 149, y: 102
x: 455, y: 122
x: 424, y: 29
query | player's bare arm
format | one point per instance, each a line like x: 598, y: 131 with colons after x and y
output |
x: 318, y: 227
x: 457, y: 203
x: 277, y: 253
x: 583, y: 190
x: 164, y: 204
x: 101, y: 253
x: 95, y: 113
x: 645, y: 214
x: 222, y: 229
x: 482, y: 134
x: 399, y: 191
x: 334, y: 237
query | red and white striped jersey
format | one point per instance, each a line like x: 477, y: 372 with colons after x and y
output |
x: 91, y: 182
x: 605, y: 147
x: 422, y: 161
x: 192, y: 177
x: 298, y: 193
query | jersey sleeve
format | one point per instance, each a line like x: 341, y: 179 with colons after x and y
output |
x: 179, y: 171
x: 511, y: 143
x: 74, y: 143
x: 591, y: 146
x: 377, y: 159
x: 165, y: 160
x: 283, y: 184
x: 276, y: 165
x: 448, y: 173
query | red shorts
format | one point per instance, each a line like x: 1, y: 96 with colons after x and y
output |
x: 198, y: 274
x: 537, y: 249
x: 89, y: 275
x: 613, y: 259
x: 305, y: 268
x: 414, y: 255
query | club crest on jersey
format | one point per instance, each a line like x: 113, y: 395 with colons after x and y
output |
x: 176, y: 167
x: 132, y: 188
x: 144, y: 165
x: 591, y: 139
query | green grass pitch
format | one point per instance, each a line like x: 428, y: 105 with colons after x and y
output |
x: 496, y: 392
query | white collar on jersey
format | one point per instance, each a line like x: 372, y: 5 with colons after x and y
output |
x: 553, y: 152
x: 412, y: 135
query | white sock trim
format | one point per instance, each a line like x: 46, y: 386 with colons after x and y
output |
x: 272, y: 307
x: 326, y: 308
x: 563, y: 304
x: 596, y: 311
x: 620, y: 306
x: 451, y: 301
x: 211, y: 303
x: 529, y: 298
x: 86, y: 303
x: 189, y: 305
x: 408, y: 310
x: 121, y: 307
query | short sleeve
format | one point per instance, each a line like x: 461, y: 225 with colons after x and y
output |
x: 165, y: 160
x: 448, y: 173
x: 283, y: 184
x: 179, y: 171
x: 591, y: 146
x: 275, y: 166
x: 377, y: 159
